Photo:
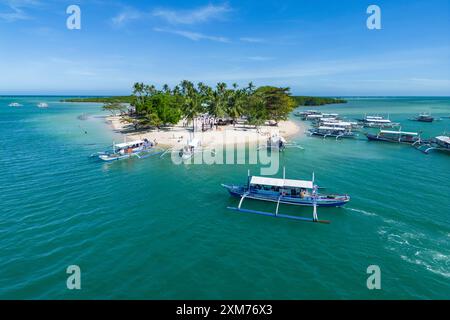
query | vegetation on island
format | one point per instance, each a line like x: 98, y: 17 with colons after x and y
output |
x: 316, y: 101
x: 152, y: 107
x: 300, y: 100
x: 109, y: 99
x: 167, y: 106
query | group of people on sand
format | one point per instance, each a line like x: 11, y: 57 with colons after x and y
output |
x: 207, y: 122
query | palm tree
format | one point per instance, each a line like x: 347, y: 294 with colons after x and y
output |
x: 138, y: 92
x: 192, y: 105
x: 237, y: 104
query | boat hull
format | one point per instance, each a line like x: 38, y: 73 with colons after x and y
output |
x: 322, y: 201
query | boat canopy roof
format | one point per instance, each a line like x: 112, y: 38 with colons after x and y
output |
x: 128, y: 144
x: 339, y: 123
x: 444, y: 139
x: 289, y: 183
x: 379, y: 120
x: 374, y: 117
x: 403, y: 133
x: 331, y: 128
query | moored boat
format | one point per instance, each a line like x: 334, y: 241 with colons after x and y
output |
x: 339, y: 124
x: 377, y: 122
x: 42, y: 105
x: 276, y: 142
x: 126, y: 150
x: 332, y: 131
x: 284, y: 191
x: 15, y: 104
x: 189, y: 149
x: 423, y: 117
x: 304, y: 114
x: 394, y: 136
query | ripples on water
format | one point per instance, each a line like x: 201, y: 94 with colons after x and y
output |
x: 148, y: 229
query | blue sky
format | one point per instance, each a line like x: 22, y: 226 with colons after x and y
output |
x: 315, y: 47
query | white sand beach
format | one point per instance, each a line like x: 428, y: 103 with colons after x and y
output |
x: 178, y: 135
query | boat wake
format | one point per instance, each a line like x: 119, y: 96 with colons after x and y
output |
x: 414, y: 248
x: 366, y: 213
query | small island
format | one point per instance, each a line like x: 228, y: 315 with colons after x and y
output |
x: 172, y: 115
x: 317, y: 101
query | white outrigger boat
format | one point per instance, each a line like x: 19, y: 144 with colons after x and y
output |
x: 190, y: 149
x: 332, y: 131
x: 15, y: 104
x: 340, y: 124
x: 120, y: 151
x: 42, y: 105
x: 377, y: 122
x: 284, y: 191
x: 279, y: 143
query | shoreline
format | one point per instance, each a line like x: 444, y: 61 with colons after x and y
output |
x: 178, y: 135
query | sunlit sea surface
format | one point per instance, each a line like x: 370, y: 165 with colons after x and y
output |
x: 148, y: 229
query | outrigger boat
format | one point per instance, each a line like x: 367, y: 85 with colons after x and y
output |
x: 277, y: 142
x: 284, y: 191
x: 190, y: 149
x: 120, y: 151
x: 339, y: 124
x: 332, y: 131
x: 377, y: 122
x: 306, y: 113
x: 15, y: 104
x: 440, y: 143
x: 423, y: 117
x: 394, y: 136
x: 42, y: 105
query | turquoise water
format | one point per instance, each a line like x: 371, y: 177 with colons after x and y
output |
x: 147, y: 229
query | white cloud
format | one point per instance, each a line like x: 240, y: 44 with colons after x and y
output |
x: 199, y: 15
x: 125, y: 16
x: 16, y: 11
x: 195, y: 36
x: 252, y: 40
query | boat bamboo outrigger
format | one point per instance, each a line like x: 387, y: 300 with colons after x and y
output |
x: 284, y: 191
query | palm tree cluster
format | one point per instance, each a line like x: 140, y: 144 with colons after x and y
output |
x: 156, y: 108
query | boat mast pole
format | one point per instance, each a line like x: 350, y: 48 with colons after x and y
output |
x: 315, y: 218
x: 314, y: 195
